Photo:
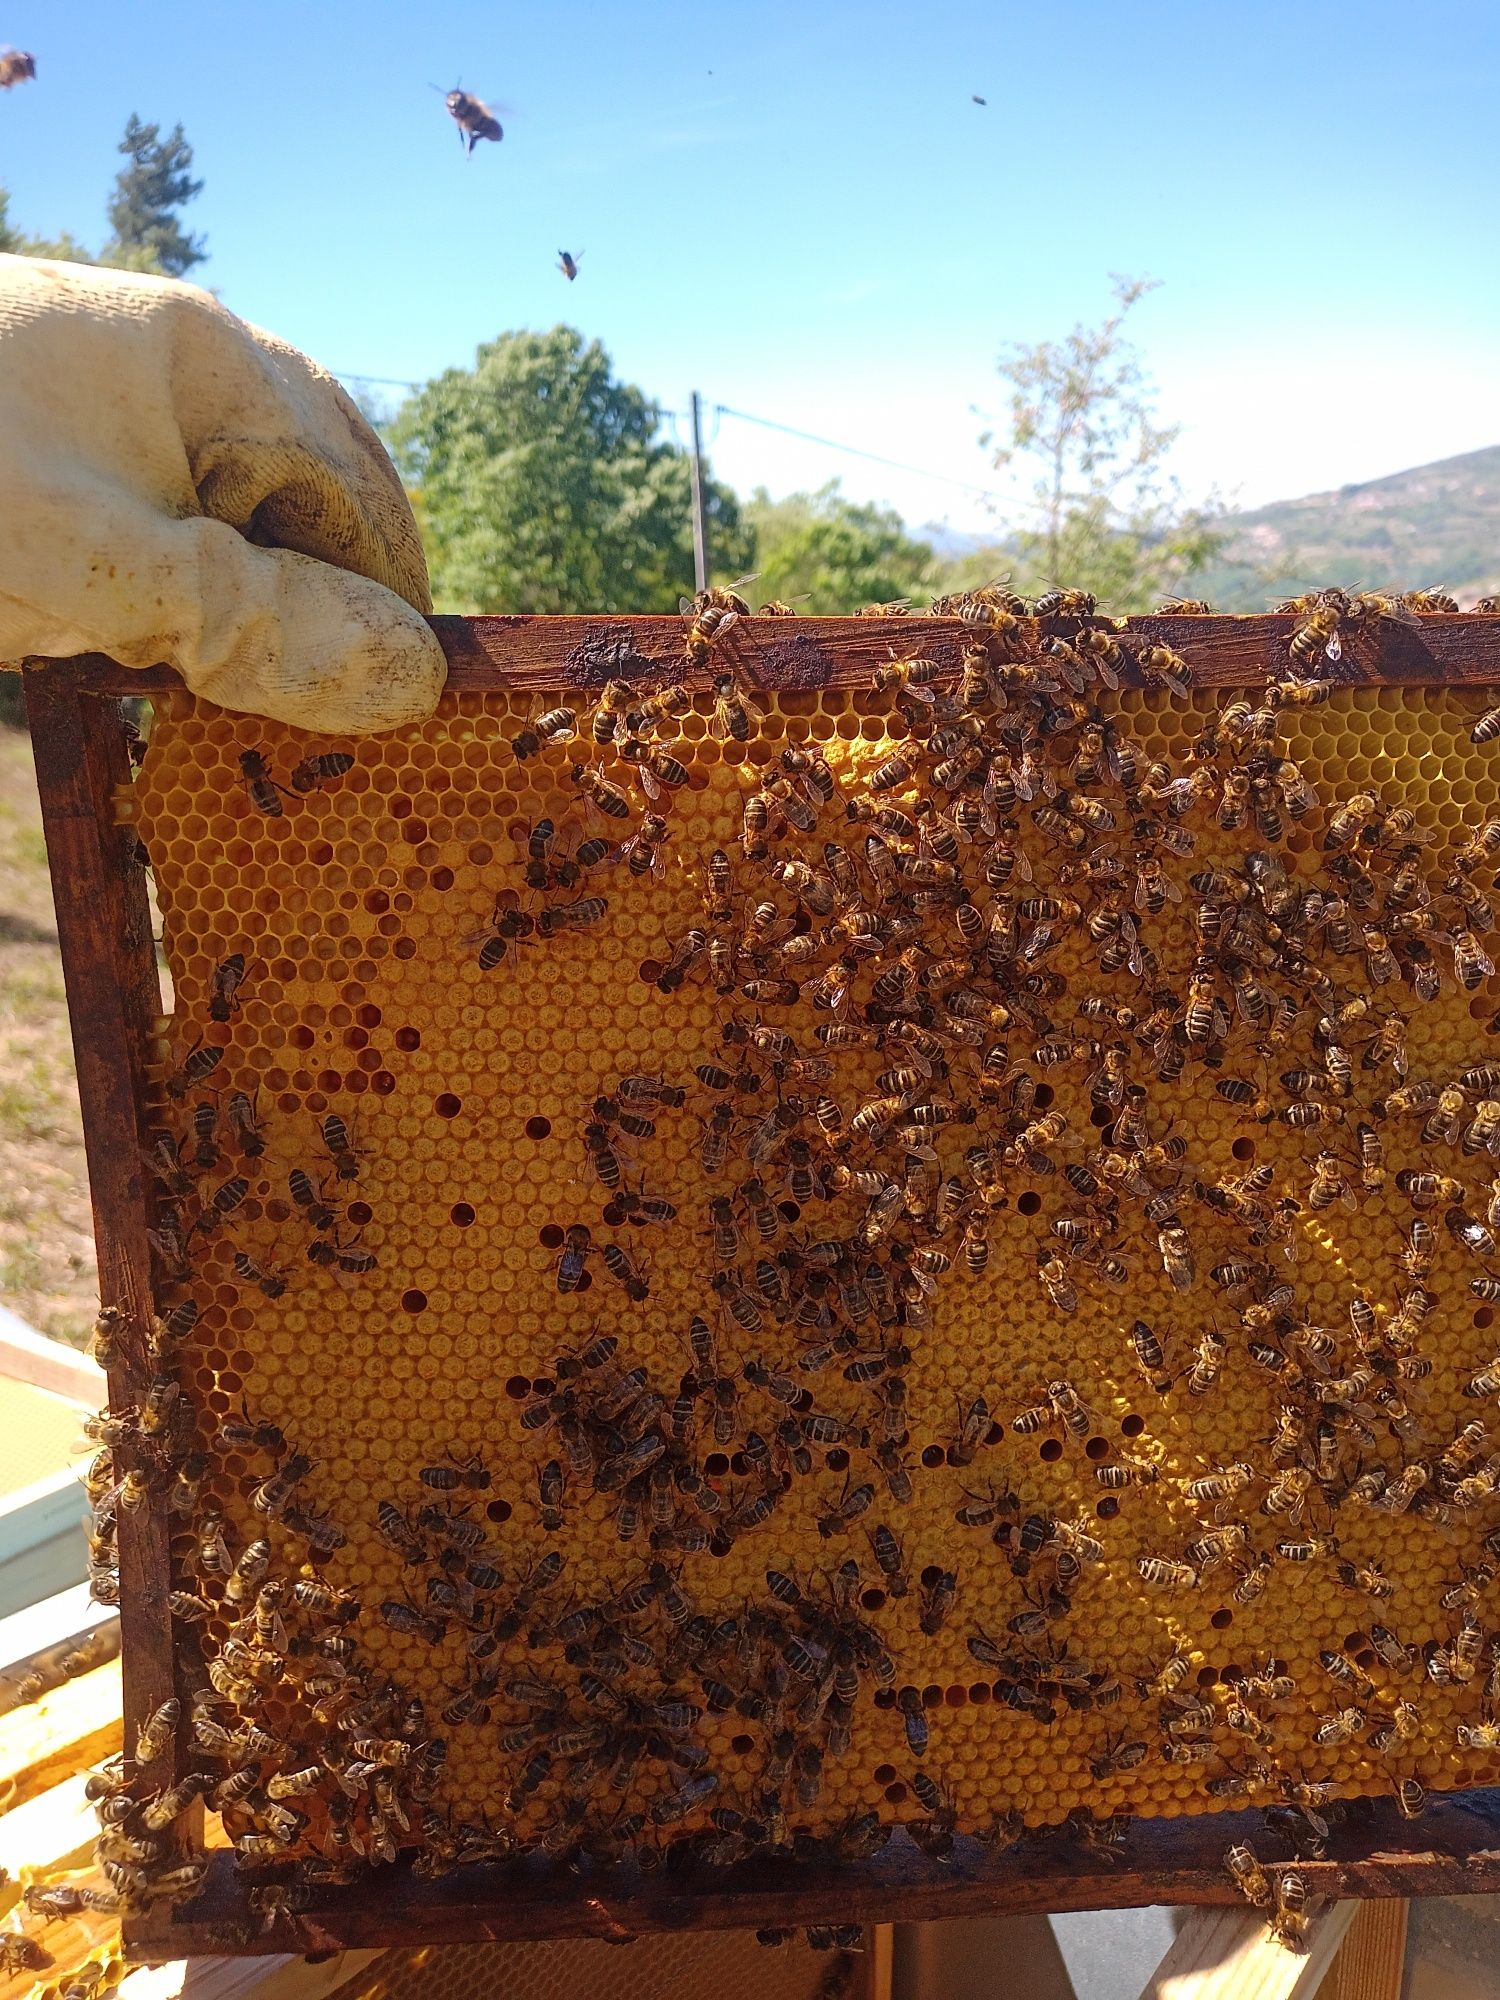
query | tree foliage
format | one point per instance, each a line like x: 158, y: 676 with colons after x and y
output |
x: 541, y: 484
x: 149, y: 190
x: 148, y: 235
x: 834, y: 553
x: 1106, y: 514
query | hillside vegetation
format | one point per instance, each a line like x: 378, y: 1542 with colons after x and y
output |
x: 1432, y: 525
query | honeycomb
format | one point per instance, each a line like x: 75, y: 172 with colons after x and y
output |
x: 720, y: 1367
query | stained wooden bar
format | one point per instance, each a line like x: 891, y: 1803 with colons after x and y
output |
x: 114, y: 997
x: 1454, y: 1849
x: 802, y: 655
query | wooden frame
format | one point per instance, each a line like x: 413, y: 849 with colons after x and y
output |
x: 114, y: 998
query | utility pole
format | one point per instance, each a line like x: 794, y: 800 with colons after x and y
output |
x: 700, y: 517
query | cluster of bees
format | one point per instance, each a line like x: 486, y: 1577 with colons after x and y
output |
x: 961, y: 981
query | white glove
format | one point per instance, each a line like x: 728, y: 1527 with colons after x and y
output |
x: 178, y: 488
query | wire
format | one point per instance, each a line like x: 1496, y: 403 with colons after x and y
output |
x: 854, y: 451
x: 380, y: 381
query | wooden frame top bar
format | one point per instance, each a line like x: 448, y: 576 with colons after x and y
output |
x: 806, y: 655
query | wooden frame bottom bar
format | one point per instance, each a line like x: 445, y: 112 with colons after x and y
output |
x: 1454, y: 1849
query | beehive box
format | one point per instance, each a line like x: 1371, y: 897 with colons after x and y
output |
x: 943, y: 1286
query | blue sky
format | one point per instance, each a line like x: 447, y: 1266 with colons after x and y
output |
x: 797, y: 209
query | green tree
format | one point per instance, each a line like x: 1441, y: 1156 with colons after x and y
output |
x: 541, y: 484
x: 1107, y: 515
x: 149, y: 190
x: 18, y: 244
x: 837, y: 554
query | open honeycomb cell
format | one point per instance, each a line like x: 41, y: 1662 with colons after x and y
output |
x: 1086, y: 1411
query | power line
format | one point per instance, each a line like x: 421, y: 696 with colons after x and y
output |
x: 854, y: 451
x: 745, y: 417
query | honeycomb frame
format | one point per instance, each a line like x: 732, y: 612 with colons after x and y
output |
x: 111, y: 1006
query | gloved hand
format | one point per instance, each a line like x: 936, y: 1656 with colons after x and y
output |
x: 178, y: 488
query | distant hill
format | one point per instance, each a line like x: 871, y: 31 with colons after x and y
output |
x: 1434, y: 525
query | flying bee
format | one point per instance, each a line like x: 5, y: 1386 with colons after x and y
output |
x: 473, y: 117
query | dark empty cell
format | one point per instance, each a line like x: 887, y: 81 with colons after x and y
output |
x: 301, y: 1037
x: 716, y: 1465
x: 930, y: 1576
x: 872, y: 1600
x: 955, y: 1697
x: 550, y: 1235
x: 742, y: 1745
x: 979, y: 1693
x: 1107, y: 1508
x: 544, y: 1385
x: 1353, y: 1641
x: 885, y: 1697
x: 415, y: 834
x: 498, y: 1510
x: 884, y: 1774
x: 1044, y: 1096
x: 331, y: 1080
x: 368, y: 1015
x: 414, y: 1301
x: 1132, y: 1426
x: 538, y: 1128
x: 1483, y: 1317
x: 463, y: 1215
x: 1243, y: 1149
x: 404, y: 947
x: 739, y: 1465
x: 482, y: 854
x: 408, y: 1039
x: 359, y: 1213
x: 320, y: 854
x: 1100, y: 1116
x: 382, y: 1083
x: 1207, y: 1676
x: 1050, y: 1450
x: 442, y: 878
x: 1096, y: 1449
x: 650, y: 970
x: 1028, y: 1203
x: 356, y: 1038
x: 518, y: 1388
x: 446, y: 1105
x: 932, y: 1695
x: 1366, y: 1658
x: 789, y: 1211
x: 1221, y: 1620
x: 614, y: 1215
x: 896, y: 1794
x: 836, y: 1460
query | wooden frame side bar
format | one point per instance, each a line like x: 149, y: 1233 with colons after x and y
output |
x: 806, y: 655
x: 114, y: 999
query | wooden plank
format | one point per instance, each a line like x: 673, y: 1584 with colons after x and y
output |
x: 804, y: 654
x: 52, y: 1831
x: 76, y: 1725
x: 28, y: 1356
x: 1371, y: 1962
x: 1453, y: 1850
x: 878, y: 1965
x: 1231, y: 1955
x: 109, y: 968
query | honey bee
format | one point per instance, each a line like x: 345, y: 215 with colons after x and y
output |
x: 710, y: 617
x: 1289, y: 1919
x: 155, y: 1736
x: 265, y: 794
x: 229, y: 977
x: 1166, y: 1574
x: 557, y: 725
x: 473, y: 117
